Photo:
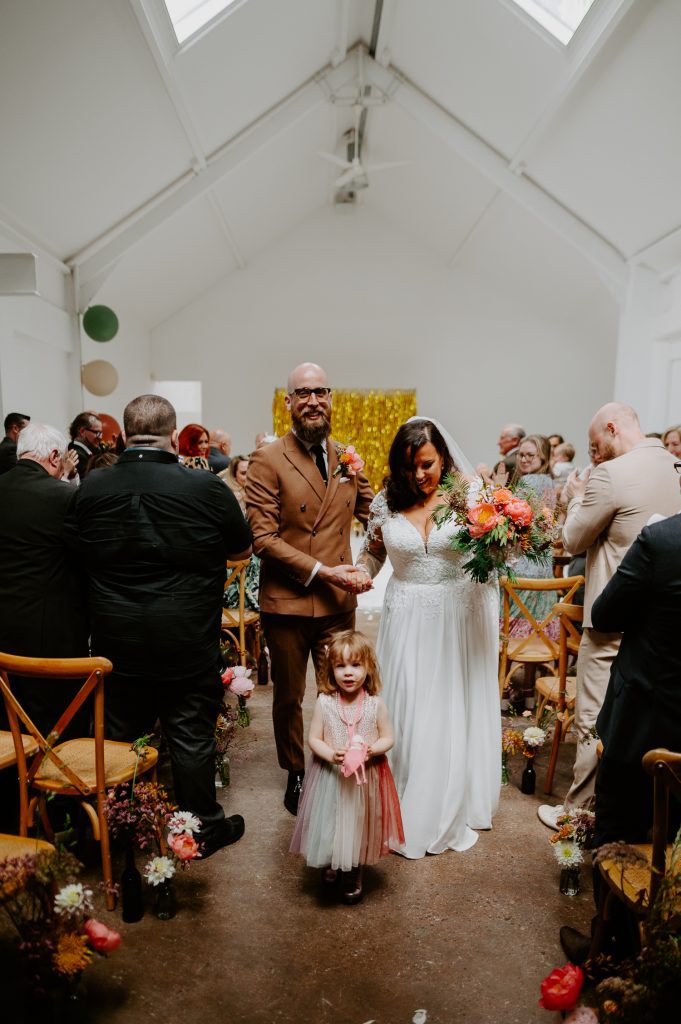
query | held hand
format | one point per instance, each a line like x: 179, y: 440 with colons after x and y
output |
x: 500, y: 477
x: 575, y: 486
x: 338, y: 757
x: 345, y: 577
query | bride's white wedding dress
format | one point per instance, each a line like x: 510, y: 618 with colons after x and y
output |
x: 437, y: 649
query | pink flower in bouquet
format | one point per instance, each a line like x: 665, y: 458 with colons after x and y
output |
x: 241, y: 685
x: 519, y: 511
x: 227, y: 676
x: 502, y: 496
x: 349, y: 462
x: 482, y: 518
x: 184, y: 846
x: 101, y: 938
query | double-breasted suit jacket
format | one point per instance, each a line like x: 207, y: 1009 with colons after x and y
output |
x: 297, y: 520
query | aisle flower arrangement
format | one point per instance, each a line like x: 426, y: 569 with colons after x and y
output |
x: 511, y: 744
x: 496, y: 526
x: 52, y: 914
x: 237, y: 680
x: 224, y: 735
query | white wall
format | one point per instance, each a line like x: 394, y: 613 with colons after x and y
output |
x: 378, y: 310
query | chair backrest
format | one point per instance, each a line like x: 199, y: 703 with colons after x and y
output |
x: 234, y: 570
x: 511, y: 590
x: 92, y: 671
x: 665, y: 767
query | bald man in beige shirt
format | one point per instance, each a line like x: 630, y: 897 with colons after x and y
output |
x: 634, y: 479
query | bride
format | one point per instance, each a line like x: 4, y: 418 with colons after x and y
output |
x: 438, y: 648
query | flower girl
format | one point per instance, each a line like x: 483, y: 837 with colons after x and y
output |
x: 349, y: 813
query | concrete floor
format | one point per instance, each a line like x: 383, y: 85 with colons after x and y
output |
x: 466, y: 937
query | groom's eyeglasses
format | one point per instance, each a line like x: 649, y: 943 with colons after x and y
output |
x: 304, y: 394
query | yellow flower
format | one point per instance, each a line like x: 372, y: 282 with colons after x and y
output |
x: 73, y: 954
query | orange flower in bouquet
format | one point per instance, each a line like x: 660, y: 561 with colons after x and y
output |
x: 496, y: 526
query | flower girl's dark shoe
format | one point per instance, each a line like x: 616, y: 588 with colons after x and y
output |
x: 352, y: 887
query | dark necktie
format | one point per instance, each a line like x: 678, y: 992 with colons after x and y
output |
x: 318, y: 453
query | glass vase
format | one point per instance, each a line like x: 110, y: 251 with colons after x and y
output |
x: 166, y: 904
x: 569, y: 881
x: 529, y: 777
x: 243, y: 715
x: 504, y: 770
x: 223, y: 770
x: 132, y: 899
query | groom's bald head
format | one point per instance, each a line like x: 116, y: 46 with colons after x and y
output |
x: 307, y: 375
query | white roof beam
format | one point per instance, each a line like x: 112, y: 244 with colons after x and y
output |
x: 104, y: 251
x: 340, y: 51
x: 494, y: 167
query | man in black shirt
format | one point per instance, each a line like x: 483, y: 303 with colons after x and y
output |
x: 155, y: 537
x: 14, y: 423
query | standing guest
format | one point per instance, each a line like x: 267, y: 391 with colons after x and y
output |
x: 556, y: 439
x: 300, y: 507
x: 642, y: 707
x: 14, y: 423
x: 510, y: 437
x: 42, y: 602
x: 155, y: 540
x: 220, y: 445
x: 260, y: 439
x: 235, y: 477
x: 194, y: 446
x: 86, y: 438
x: 607, y: 509
x: 671, y: 439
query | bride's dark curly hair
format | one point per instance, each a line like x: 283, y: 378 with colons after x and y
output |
x: 400, y: 489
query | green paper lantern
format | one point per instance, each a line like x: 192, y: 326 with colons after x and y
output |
x: 100, y: 323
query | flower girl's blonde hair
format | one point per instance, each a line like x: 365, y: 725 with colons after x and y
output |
x: 359, y: 648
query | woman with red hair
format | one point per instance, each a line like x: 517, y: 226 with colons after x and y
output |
x: 193, y: 446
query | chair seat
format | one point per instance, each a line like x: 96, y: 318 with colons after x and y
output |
x: 79, y: 756
x: 19, y: 846
x: 7, y: 752
x: 531, y: 649
x: 548, y: 687
x: 632, y: 880
x: 230, y: 618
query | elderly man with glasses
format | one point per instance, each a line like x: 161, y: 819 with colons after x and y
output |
x: 86, y: 438
x: 300, y: 508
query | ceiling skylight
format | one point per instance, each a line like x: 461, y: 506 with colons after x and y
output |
x: 561, y: 18
x: 188, y: 16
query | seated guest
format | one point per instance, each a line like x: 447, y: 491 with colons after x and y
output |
x: 154, y: 541
x: 562, y: 463
x: 14, y: 423
x: 671, y: 439
x: 86, y: 438
x: 218, y: 454
x: 42, y: 600
x: 235, y: 478
x: 642, y: 706
x: 193, y: 446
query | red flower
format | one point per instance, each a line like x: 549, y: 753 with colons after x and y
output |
x: 184, y: 846
x: 101, y: 938
x: 560, y: 990
x: 520, y: 511
x: 502, y: 496
x: 483, y: 517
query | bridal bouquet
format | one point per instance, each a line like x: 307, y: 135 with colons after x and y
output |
x: 499, y: 526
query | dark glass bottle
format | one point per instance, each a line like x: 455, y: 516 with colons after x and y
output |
x: 132, y: 901
x: 529, y: 778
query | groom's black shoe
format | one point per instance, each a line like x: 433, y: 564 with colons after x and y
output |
x: 293, y: 788
x: 227, y: 832
x: 575, y: 945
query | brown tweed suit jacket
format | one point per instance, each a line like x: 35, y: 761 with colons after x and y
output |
x: 297, y: 521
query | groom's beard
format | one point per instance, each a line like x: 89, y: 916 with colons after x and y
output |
x: 312, y: 433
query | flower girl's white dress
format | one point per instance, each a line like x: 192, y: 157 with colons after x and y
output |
x: 438, y: 652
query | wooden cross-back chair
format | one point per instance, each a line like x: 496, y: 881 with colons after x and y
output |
x: 82, y: 768
x: 560, y: 690
x: 240, y: 622
x: 637, y: 884
x: 537, y: 648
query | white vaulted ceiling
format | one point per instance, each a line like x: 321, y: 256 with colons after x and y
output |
x: 161, y: 169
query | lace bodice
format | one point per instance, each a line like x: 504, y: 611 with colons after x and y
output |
x: 335, y: 729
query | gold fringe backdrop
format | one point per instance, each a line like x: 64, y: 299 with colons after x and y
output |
x: 366, y: 419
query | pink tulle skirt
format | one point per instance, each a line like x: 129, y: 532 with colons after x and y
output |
x: 341, y: 824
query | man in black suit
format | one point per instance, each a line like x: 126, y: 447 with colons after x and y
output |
x: 155, y: 537
x: 14, y: 423
x: 86, y: 438
x: 642, y: 706
x: 42, y: 602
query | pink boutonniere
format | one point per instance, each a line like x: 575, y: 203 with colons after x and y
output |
x: 349, y: 462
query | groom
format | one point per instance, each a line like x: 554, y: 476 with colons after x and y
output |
x: 300, y: 511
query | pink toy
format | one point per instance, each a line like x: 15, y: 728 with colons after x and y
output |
x: 354, y: 759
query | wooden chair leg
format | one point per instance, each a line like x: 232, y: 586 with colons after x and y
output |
x: 105, y: 847
x: 45, y: 819
x: 553, y: 759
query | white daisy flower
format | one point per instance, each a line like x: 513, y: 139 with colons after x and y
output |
x: 534, y: 737
x: 568, y: 853
x: 73, y: 899
x: 158, y: 870
x: 184, y: 821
